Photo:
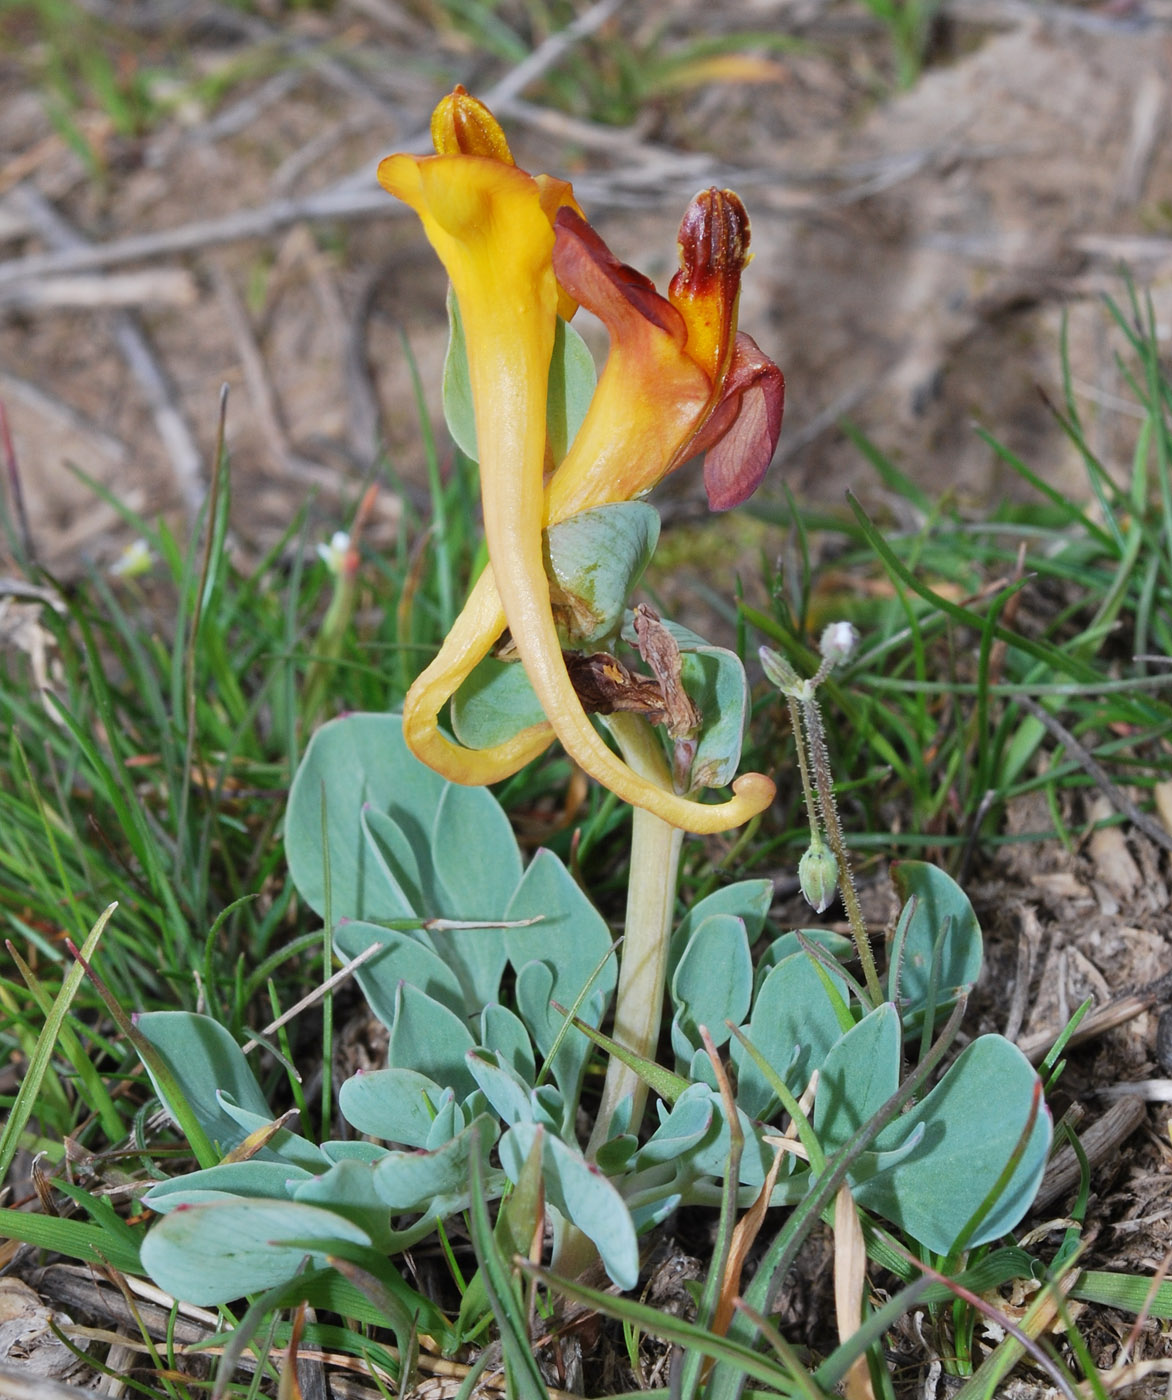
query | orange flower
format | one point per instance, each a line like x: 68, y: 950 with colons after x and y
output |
x: 678, y: 380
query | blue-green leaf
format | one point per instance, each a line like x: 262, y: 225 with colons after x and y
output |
x: 583, y: 1196
x: 415, y: 1180
x: 213, y: 1253
x: 407, y: 959
x: 505, y: 1035
x: 204, y: 1058
x: 427, y: 1037
x: 971, y: 1123
x: 350, y: 764
x: 596, y: 558
x: 792, y: 1012
x: 715, y: 680
x: 495, y: 702
x: 397, y: 1105
x: 713, y: 981
x: 748, y: 900
x: 254, y: 1179
x: 348, y: 1189
x: 859, y: 1074
x: 943, y: 927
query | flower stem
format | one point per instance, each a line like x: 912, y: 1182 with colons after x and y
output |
x: 651, y: 893
x: 824, y: 783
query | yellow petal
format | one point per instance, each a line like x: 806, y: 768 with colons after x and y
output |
x: 472, y: 637
x: 486, y: 222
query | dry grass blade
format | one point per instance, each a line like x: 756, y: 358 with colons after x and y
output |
x: 850, y: 1279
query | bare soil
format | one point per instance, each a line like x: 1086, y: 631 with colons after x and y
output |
x: 918, y: 255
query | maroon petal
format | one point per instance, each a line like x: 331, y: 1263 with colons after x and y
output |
x: 617, y: 294
x: 742, y: 431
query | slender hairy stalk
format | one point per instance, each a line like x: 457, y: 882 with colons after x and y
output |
x: 830, y: 824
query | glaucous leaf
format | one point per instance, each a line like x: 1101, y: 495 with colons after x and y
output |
x: 595, y: 560
x: 943, y: 930
x: 397, y: 1105
x: 858, y: 1075
x: 429, y: 1038
x: 204, y: 1058
x: 791, y: 1013
x: 971, y: 1123
x: 208, y: 1254
x: 415, y: 1180
x: 407, y: 959
x: 493, y: 704
x: 257, y: 1180
x: 713, y: 981
x: 359, y: 761
x: 748, y: 900
x: 582, y: 1195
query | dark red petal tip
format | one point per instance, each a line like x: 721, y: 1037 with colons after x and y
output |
x: 714, y: 242
x: 743, y: 440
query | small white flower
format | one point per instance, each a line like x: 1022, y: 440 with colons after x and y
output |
x: 134, y: 561
x: 333, y: 555
x: 838, y: 641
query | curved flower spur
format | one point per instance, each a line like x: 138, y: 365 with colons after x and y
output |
x: 679, y: 380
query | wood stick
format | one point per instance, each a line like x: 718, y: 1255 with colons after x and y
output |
x: 1100, y: 1141
x: 187, y: 462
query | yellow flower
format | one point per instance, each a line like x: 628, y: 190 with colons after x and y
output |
x: 678, y: 380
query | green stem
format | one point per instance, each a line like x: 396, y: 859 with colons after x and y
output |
x: 651, y: 895
x: 795, y: 719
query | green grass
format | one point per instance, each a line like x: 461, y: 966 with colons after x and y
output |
x: 1066, y: 604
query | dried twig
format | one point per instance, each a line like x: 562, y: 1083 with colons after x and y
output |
x: 166, y: 286
x: 354, y: 198
x: 23, y: 1385
x: 182, y: 449
x: 13, y: 387
x: 261, y: 394
x: 364, y: 418
x: 1100, y: 1141
x: 1135, y: 20
x: 1104, y: 1018
x: 1098, y: 774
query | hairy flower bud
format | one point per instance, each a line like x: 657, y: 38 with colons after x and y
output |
x: 780, y: 673
x: 818, y: 875
x: 838, y: 642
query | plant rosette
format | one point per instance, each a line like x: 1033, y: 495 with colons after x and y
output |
x: 478, y: 1063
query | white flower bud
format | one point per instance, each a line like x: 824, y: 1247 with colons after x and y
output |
x: 333, y: 555
x: 135, y: 560
x: 838, y: 642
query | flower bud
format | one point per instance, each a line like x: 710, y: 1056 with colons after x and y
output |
x: 333, y: 555
x: 818, y: 875
x: 838, y: 642
x: 778, y: 671
x: 134, y: 561
x: 463, y: 125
